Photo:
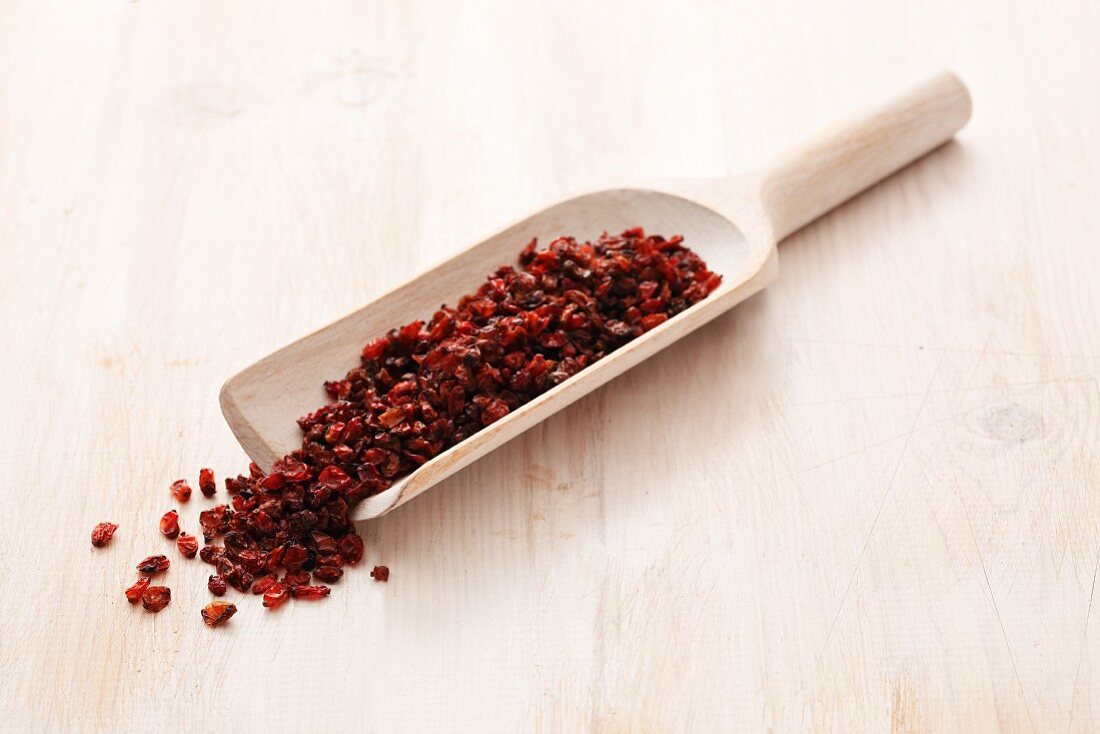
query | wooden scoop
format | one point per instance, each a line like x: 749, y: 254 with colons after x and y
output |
x: 734, y: 224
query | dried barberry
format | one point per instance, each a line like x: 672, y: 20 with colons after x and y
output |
x: 170, y: 524
x: 276, y: 595
x: 181, y: 490
x: 206, y: 483
x: 188, y: 545
x: 240, y: 579
x: 156, y: 598
x: 133, y: 594
x: 380, y: 573
x: 216, y: 585
x: 211, y: 554
x: 296, y: 578
x: 351, y: 548
x: 153, y: 565
x: 306, y: 591
x: 328, y: 574
x: 102, y: 533
x: 217, y: 613
x: 214, y: 521
x: 263, y: 583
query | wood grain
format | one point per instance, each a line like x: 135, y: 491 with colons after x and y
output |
x: 862, y: 500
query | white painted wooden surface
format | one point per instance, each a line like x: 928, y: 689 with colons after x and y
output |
x: 865, y: 499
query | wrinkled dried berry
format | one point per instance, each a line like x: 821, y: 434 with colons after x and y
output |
x: 181, y: 490
x: 153, y: 564
x: 206, y: 483
x: 188, y: 545
x: 328, y: 574
x: 216, y: 585
x: 351, y: 548
x: 380, y: 573
x: 306, y: 591
x: 263, y: 583
x: 215, y: 521
x: 277, y: 595
x: 211, y: 554
x: 240, y: 579
x: 296, y: 578
x: 217, y: 613
x: 133, y: 594
x: 156, y: 598
x: 102, y: 533
x: 170, y: 524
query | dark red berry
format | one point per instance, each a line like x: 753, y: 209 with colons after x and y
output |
x: 188, y: 545
x: 351, y: 548
x: 380, y: 573
x: 296, y: 578
x: 216, y: 585
x: 133, y: 594
x: 156, y: 598
x: 309, y: 592
x: 153, y: 565
x: 211, y: 554
x: 217, y: 613
x: 277, y: 595
x: 263, y: 583
x: 328, y: 574
x: 240, y: 579
x: 206, y: 483
x: 102, y: 533
x: 181, y: 490
x: 170, y: 524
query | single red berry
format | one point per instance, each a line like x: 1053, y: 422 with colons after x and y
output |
x: 217, y: 613
x: 335, y: 559
x: 153, y: 564
x: 306, y: 591
x: 328, y: 574
x: 188, y: 545
x: 262, y: 584
x: 295, y: 557
x: 170, y: 524
x: 216, y: 585
x: 277, y: 595
x: 133, y: 594
x: 240, y: 579
x: 296, y: 578
x: 156, y: 598
x: 351, y: 548
x: 181, y: 490
x: 211, y: 554
x: 206, y: 483
x: 380, y: 573
x: 102, y: 533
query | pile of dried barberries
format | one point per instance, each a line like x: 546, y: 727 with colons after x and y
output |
x: 421, y: 389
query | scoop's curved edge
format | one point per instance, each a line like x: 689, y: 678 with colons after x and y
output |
x: 257, y: 449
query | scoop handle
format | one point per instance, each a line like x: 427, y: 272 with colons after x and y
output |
x: 853, y: 154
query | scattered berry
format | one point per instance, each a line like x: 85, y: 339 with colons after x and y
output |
x: 156, y: 598
x: 217, y: 613
x: 102, y: 533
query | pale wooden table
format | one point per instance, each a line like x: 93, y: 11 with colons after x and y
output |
x: 865, y: 499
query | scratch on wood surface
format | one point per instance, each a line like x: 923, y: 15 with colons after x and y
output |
x: 1084, y: 639
x: 878, y: 514
x: 996, y: 609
